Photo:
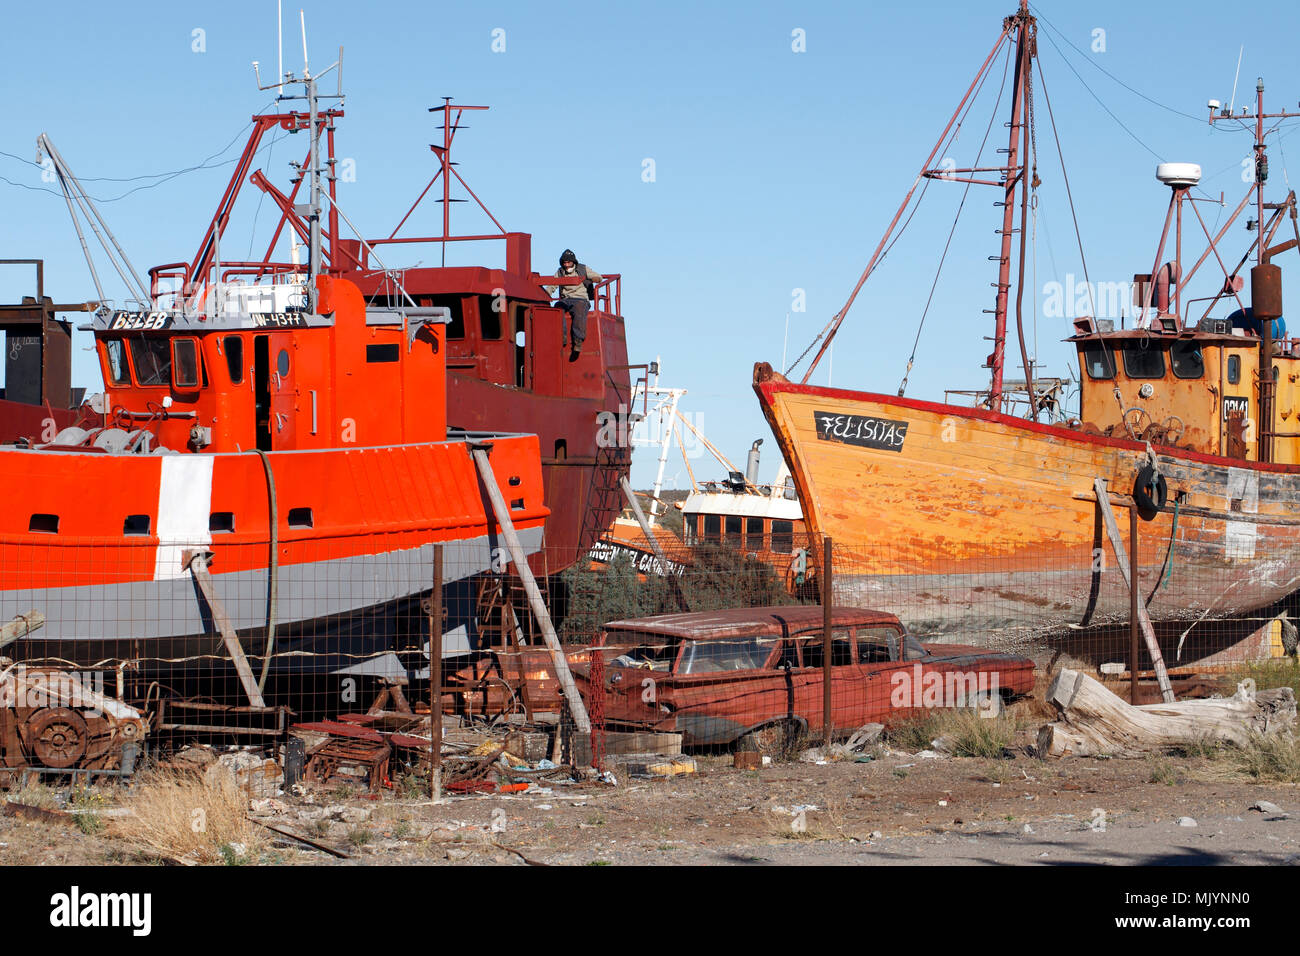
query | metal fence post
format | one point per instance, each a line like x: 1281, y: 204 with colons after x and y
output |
x: 1134, y: 649
x: 435, y: 678
x: 827, y: 602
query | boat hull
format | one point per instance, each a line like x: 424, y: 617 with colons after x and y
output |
x: 356, y: 532
x: 966, y: 521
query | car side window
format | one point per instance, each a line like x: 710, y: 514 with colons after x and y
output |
x: 877, y: 645
x: 841, y: 649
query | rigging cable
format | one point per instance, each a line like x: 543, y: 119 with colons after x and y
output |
x: 960, y: 206
x: 1094, y: 63
x: 162, y: 178
x: 1074, y: 216
x: 1132, y: 134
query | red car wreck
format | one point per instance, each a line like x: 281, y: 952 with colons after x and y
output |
x: 719, y: 676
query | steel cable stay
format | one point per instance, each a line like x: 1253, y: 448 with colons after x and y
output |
x: 1094, y: 63
x: 902, y: 388
x: 827, y: 335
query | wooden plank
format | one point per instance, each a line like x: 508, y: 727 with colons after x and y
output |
x: 199, y: 568
x: 1121, y: 558
x: 21, y: 626
x: 535, y: 600
x: 618, y: 742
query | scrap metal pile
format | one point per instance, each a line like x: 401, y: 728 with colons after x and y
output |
x: 58, y: 720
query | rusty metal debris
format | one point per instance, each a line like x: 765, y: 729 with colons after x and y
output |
x: 36, y: 814
x: 55, y: 719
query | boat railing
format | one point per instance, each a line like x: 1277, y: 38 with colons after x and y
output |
x: 609, y: 291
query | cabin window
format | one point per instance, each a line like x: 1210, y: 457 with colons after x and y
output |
x: 1099, y: 361
x: 689, y: 528
x: 490, y: 308
x: 185, y: 363
x: 732, y: 533
x: 782, y: 537
x: 118, y: 373
x: 135, y: 525
x: 387, y: 352
x: 753, y: 534
x: 233, y: 346
x: 1187, y: 360
x: 1144, y: 362
x: 454, y: 305
x: 221, y: 522
x: 282, y: 362
x: 712, y: 529
x: 1234, y: 369
x: 301, y: 518
x: 152, y: 360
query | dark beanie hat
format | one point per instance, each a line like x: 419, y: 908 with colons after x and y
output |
x: 568, y: 256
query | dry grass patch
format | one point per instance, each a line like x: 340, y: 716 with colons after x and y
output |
x: 1271, y: 759
x: 968, y: 733
x: 34, y: 794
x: 179, y: 816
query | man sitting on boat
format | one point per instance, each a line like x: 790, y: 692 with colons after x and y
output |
x: 576, y: 300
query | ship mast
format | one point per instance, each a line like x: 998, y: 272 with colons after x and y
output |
x: 312, y: 209
x: 1013, y: 176
x: 1265, y: 278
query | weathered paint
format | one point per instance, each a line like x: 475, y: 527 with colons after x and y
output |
x: 980, y: 520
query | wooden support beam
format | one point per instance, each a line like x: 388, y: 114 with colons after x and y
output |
x: 535, y: 600
x: 198, y: 563
x: 1121, y: 558
x: 20, y: 626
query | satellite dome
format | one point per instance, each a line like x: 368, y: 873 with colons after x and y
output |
x: 1179, y: 174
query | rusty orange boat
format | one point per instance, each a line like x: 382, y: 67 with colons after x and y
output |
x: 975, y: 520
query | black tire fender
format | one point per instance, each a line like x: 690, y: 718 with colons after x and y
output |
x: 1150, y: 492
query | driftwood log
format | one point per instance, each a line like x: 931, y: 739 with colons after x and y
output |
x: 1091, y: 720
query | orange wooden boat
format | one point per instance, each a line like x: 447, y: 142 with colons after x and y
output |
x: 972, y: 520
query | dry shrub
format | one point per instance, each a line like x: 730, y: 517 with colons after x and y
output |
x: 1274, y: 758
x: 969, y: 733
x: 178, y: 815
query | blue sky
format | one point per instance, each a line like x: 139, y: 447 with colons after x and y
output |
x: 775, y: 170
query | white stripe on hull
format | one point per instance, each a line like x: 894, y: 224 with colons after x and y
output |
x: 184, y: 506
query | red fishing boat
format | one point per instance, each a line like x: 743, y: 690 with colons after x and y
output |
x: 507, y: 361
x: 270, y: 471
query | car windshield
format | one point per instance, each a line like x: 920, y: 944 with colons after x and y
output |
x: 737, y: 654
x: 648, y: 651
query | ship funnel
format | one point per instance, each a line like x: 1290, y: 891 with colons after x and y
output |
x: 1178, y: 174
x: 751, y: 465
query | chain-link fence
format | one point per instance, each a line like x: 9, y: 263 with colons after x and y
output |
x: 115, y: 652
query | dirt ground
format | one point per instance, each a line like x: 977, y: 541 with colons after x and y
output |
x: 895, y: 809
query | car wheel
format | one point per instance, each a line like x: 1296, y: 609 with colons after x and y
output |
x: 987, y: 703
x: 775, y: 740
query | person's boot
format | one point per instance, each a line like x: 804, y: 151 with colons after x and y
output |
x: 573, y: 355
